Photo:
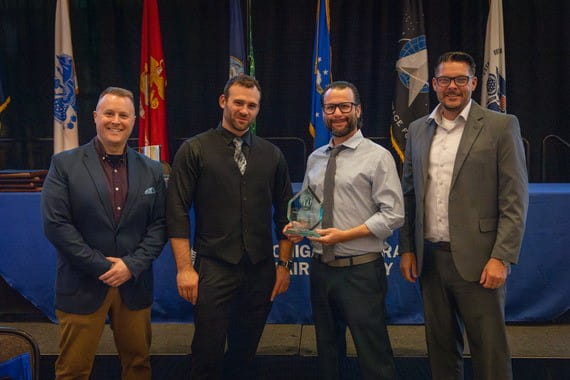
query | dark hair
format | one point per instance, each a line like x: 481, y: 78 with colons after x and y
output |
x: 341, y: 85
x: 119, y: 92
x: 457, y: 56
x: 241, y: 80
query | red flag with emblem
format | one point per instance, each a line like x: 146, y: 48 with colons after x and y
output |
x: 152, y: 109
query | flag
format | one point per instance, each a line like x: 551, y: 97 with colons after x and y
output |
x: 321, y: 73
x: 250, y: 55
x: 65, y: 84
x: 494, y: 90
x: 237, y: 46
x: 411, y: 92
x: 152, y: 108
x: 4, y: 98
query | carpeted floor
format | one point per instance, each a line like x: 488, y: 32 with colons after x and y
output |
x: 286, y: 352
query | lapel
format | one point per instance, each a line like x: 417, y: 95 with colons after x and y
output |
x: 134, y: 173
x: 93, y: 166
x: 425, y: 144
x: 472, y: 129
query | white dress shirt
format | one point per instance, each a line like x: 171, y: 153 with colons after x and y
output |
x: 441, y: 162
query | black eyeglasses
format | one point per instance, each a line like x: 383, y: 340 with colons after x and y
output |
x: 345, y: 107
x: 460, y: 80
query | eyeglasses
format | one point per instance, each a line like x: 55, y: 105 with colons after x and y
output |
x: 345, y: 107
x: 460, y: 80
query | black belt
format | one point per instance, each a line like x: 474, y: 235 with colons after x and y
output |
x: 439, y: 245
x: 340, y: 261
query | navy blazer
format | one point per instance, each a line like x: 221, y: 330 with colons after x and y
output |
x: 78, y: 221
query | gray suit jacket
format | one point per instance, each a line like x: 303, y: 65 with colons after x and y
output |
x: 78, y: 220
x: 488, y: 197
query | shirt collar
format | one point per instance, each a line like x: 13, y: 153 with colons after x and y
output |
x: 114, y: 158
x: 351, y: 143
x: 229, y: 137
x: 436, y: 113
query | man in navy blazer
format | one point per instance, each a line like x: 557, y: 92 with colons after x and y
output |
x: 466, y: 196
x: 103, y: 207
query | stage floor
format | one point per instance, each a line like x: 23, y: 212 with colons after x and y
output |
x: 527, y: 341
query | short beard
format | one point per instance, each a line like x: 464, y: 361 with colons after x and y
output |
x: 351, y: 125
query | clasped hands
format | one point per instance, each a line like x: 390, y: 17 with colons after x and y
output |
x: 118, y: 274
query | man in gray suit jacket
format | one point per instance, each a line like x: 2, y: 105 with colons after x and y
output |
x: 466, y: 196
x: 103, y: 207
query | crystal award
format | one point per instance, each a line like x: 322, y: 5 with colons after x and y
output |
x: 304, y: 211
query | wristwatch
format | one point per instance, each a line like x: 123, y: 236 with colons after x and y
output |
x: 285, y: 264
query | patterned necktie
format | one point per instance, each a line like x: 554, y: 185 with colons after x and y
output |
x: 328, y: 201
x: 239, y: 157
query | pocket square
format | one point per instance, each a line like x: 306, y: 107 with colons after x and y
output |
x: 150, y: 190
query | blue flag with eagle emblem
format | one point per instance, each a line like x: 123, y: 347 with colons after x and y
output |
x: 494, y: 90
x: 237, y: 46
x: 65, y: 84
x: 411, y: 94
x: 321, y: 73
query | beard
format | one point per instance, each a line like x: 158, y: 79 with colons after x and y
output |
x: 351, y: 125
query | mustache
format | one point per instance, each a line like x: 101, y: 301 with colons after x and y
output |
x: 453, y: 93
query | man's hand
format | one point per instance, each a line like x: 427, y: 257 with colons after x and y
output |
x: 282, y: 279
x: 329, y: 236
x: 409, y: 266
x: 494, y: 274
x: 118, y: 274
x: 187, y: 282
x: 292, y: 238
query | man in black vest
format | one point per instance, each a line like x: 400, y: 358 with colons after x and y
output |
x: 233, y: 180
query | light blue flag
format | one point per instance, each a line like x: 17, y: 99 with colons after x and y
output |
x: 321, y: 73
x: 237, y: 46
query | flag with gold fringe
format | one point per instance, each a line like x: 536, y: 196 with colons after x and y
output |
x: 411, y: 92
x: 494, y: 80
x: 321, y: 73
x: 65, y: 134
x: 152, y: 108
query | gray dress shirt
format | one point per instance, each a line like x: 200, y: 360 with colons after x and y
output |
x: 367, y: 191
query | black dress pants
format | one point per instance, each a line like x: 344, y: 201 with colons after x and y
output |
x: 233, y: 303
x: 352, y: 296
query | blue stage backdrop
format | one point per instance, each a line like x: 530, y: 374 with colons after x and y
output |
x: 537, y: 289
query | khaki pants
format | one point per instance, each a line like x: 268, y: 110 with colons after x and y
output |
x: 80, y: 335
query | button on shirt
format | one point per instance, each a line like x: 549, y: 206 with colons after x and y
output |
x: 115, y: 168
x: 367, y: 191
x: 441, y: 163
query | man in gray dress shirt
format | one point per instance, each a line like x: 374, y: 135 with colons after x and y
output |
x: 350, y: 287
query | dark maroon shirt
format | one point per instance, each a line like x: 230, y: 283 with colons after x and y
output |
x: 115, y: 168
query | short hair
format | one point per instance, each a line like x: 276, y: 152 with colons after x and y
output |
x: 122, y: 92
x: 341, y: 85
x: 243, y: 80
x: 457, y: 56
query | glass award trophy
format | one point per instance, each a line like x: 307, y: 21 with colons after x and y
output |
x: 304, y: 211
